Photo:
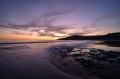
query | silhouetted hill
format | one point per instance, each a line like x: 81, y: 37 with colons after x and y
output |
x: 110, y: 36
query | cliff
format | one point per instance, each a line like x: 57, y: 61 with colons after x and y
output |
x: 110, y: 36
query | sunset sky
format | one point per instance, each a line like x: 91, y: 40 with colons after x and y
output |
x: 53, y: 19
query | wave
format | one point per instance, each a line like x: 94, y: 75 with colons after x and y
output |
x: 24, y: 42
x: 27, y: 42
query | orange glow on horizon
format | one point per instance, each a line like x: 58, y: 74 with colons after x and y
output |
x: 23, y: 37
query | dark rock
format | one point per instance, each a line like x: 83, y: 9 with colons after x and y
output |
x: 118, y: 58
x: 104, y: 53
x: 69, y: 55
x: 88, y: 63
x: 118, y: 61
x: 64, y: 64
x: 76, y: 55
x: 100, y: 50
x: 69, y: 49
x: 100, y: 67
x: 112, y: 55
x: 63, y: 54
x: 111, y: 61
x: 92, y: 54
x: 77, y: 59
x: 103, y: 58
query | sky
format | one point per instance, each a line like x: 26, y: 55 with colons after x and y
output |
x: 53, y: 19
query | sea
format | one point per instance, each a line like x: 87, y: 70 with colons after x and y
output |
x: 43, y: 59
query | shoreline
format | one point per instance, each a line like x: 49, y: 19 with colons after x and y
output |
x: 23, y: 61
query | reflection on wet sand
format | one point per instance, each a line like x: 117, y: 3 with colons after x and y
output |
x: 28, y: 61
x: 109, y: 43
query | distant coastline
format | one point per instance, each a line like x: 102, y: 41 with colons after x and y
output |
x: 109, y: 36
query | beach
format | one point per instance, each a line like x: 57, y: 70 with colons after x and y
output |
x: 52, y: 60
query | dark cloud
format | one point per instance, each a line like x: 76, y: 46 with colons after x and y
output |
x: 49, y: 31
x: 57, y: 29
x: 57, y: 13
x: 22, y: 33
x: 108, y: 16
x: 92, y: 26
x: 10, y: 25
x: 48, y: 34
x: 85, y: 32
x: 115, y: 25
x: 37, y: 33
x: 36, y: 24
x: 35, y: 30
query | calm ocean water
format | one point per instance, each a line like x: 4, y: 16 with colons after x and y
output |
x: 26, y: 59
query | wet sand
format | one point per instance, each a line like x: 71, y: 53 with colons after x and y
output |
x: 49, y: 61
x: 29, y: 61
x: 29, y: 67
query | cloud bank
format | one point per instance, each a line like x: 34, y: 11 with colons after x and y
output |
x: 42, y: 26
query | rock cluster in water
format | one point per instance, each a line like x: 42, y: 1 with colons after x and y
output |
x: 93, y: 58
x: 97, y: 62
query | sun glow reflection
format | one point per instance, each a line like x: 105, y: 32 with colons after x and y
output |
x: 59, y: 34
